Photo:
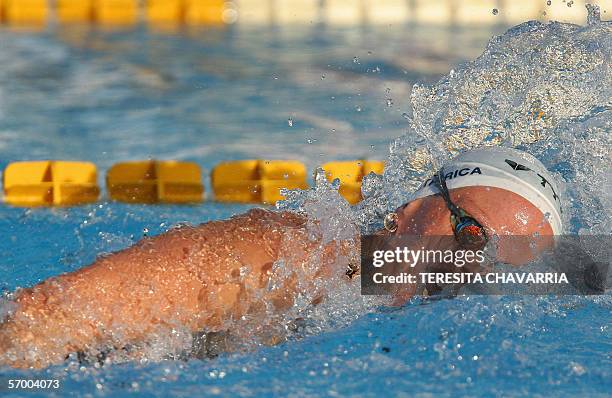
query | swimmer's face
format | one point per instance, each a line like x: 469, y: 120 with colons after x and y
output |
x: 502, y: 213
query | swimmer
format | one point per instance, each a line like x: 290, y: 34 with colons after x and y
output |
x: 200, y: 278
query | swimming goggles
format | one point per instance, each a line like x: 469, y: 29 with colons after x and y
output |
x: 467, y: 230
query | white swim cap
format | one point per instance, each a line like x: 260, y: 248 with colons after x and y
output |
x: 504, y: 168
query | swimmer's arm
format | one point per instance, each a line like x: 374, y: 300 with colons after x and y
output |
x: 114, y: 301
x: 184, y: 277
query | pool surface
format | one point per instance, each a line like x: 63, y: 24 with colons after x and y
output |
x: 315, y: 95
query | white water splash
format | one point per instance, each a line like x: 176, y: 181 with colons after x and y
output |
x: 543, y: 88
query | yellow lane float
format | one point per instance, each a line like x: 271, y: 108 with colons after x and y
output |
x: 50, y: 183
x: 25, y: 11
x: 165, y: 11
x: 74, y: 10
x: 256, y: 181
x: 116, y: 12
x: 154, y: 181
x: 350, y: 174
x: 204, y: 12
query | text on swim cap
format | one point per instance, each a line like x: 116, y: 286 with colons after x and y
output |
x: 453, y: 174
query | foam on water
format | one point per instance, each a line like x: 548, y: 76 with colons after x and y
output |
x: 544, y: 88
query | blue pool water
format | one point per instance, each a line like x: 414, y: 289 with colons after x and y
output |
x: 209, y: 96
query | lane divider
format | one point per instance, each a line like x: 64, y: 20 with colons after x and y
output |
x: 69, y: 11
x: 205, y: 12
x: 292, y: 12
x: 50, y: 183
x: 256, y: 181
x: 24, y: 12
x: 64, y: 183
x: 165, y: 11
x: 116, y: 12
x: 154, y: 181
x: 350, y: 174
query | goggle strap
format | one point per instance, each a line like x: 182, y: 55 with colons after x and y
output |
x: 458, y: 215
x: 443, y: 188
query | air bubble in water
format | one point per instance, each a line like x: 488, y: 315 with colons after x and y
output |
x: 495, y: 11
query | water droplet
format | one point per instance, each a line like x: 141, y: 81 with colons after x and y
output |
x: 290, y: 122
x: 356, y: 60
x: 322, y: 77
x: 358, y: 108
x: 495, y: 11
x: 549, y: 2
x: 594, y: 15
x: 577, y: 368
x: 389, y: 102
